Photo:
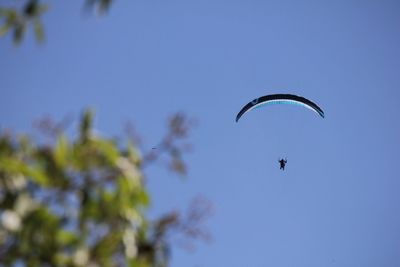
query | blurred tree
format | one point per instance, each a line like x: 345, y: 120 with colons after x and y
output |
x: 18, y: 18
x: 82, y: 202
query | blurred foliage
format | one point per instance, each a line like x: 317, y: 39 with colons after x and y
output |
x: 101, y: 6
x: 82, y: 202
x: 18, y: 18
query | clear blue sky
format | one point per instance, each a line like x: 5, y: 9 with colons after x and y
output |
x: 337, y: 204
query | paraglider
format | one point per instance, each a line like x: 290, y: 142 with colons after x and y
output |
x: 282, y: 162
x: 280, y: 99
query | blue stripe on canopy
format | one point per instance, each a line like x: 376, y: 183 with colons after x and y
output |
x: 280, y: 99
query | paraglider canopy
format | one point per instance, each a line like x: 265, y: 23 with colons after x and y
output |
x: 280, y: 99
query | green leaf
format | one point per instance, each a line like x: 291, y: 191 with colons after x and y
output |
x: 86, y: 125
x: 144, y: 197
x: 133, y: 153
x: 108, y: 150
x: 16, y: 166
x: 66, y: 238
x: 4, y: 29
x: 61, y: 151
x: 36, y: 175
x: 39, y: 31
